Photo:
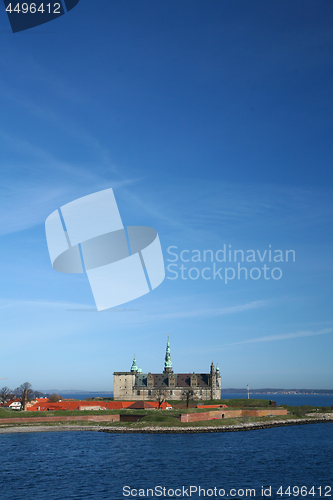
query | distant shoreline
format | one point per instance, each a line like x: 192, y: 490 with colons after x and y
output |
x: 311, y: 392
x: 166, y: 430
x: 292, y: 392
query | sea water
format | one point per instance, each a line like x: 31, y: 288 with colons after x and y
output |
x: 92, y: 465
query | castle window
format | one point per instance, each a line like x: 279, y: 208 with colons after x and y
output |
x: 138, y: 393
x: 149, y: 393
x: 171, y: 393
x: 200, y: 392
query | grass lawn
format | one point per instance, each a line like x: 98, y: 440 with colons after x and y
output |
x: 167, y: 418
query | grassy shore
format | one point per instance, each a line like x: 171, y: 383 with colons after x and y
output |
x: 168, y: 419
x: 178, y: 408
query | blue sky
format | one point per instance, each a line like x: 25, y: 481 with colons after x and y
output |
x: 211, y: 121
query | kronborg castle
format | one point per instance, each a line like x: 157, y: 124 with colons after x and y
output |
x: 135, y: 385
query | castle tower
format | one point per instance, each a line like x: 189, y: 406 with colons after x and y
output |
x: 168, y: 362
x: 212, y: 381
x: 134, y: 367
x: 218, y: 383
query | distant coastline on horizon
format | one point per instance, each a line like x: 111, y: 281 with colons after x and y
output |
x: 223, y: 391
x: 278, y: 391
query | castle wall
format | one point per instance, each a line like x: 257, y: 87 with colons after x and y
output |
x: 124, y: 389
x: 123, y: 386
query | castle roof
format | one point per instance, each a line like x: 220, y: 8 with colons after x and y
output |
x: 134, y: 367
x: 181, y: 379
x: 167, y: 362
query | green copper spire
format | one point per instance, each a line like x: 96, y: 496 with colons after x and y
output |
x: 168, y: 362
x: 134, y: 367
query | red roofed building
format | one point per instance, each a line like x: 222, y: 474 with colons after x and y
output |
x: 37, y: 401
x: 14, y: 404
x: 78, y: 405
x: 165, y: 406
x: 141, y: 405
x: 118, y: 405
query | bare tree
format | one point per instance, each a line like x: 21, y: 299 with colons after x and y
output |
x: 19, y: 391
x: 25, y: 393
x: 187, y: 395
x: 55, y: 397
x: 24, y: 400
x: 5, y: 394
x: 159, y: 395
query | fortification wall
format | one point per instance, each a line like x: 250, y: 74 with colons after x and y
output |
x: 264, y: 413
x: 73, y: 418
x: 209, y: 415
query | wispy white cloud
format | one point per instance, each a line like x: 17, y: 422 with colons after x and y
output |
x: 47, y: 304
x: 219, y: 202
x: 35, y: 180
x: 47, y: 97
x: 284, y: 336
x: 65, y: 306
x: 30, y: 192
x: 215, y: 212
x: 77, y: 307
x: 202, y: 313
x: 25, y: 68
x: 26, y: 205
